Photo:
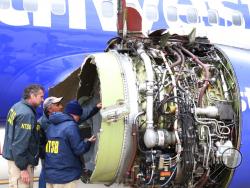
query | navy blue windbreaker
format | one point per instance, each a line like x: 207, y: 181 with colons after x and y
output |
x: 63, y: 149
x: 44, y: 124
x: 88, y: 112
x: 21, y: 142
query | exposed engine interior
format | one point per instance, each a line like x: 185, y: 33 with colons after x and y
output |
x: 171, y: 112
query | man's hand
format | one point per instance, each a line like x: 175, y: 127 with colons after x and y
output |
x: 25, y: 177
x: 92, y: 138
x: 99, y: 105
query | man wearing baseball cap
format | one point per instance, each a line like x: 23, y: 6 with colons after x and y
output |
x: 50, y: 105
x: 64, y: 147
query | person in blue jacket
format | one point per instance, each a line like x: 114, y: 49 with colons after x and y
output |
x: 64, y: 147
x: 21, y: 142
x: 50, y: 105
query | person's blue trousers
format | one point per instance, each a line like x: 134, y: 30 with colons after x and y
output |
x: 42, y: 182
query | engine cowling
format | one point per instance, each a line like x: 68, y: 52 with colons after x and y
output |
x: 171, y: 112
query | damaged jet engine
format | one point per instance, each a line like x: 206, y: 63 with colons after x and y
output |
x: 171, y: 112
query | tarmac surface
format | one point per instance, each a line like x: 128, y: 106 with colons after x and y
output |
x: 81, y: 185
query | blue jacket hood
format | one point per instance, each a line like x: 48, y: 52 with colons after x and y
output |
x: 59, y: 117
x: 63, y: 149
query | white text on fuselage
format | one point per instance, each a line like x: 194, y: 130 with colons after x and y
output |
x: 245, y: 99
x: 75, y: 13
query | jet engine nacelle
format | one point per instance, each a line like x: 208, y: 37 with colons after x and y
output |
x: 171, y: 112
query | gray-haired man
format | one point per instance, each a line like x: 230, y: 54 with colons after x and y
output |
x: 21, y: 143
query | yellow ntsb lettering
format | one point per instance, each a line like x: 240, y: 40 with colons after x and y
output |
x: 38, y: 127
x: 52, y: 146
x: 11, y: 116
x: 26, y: 126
